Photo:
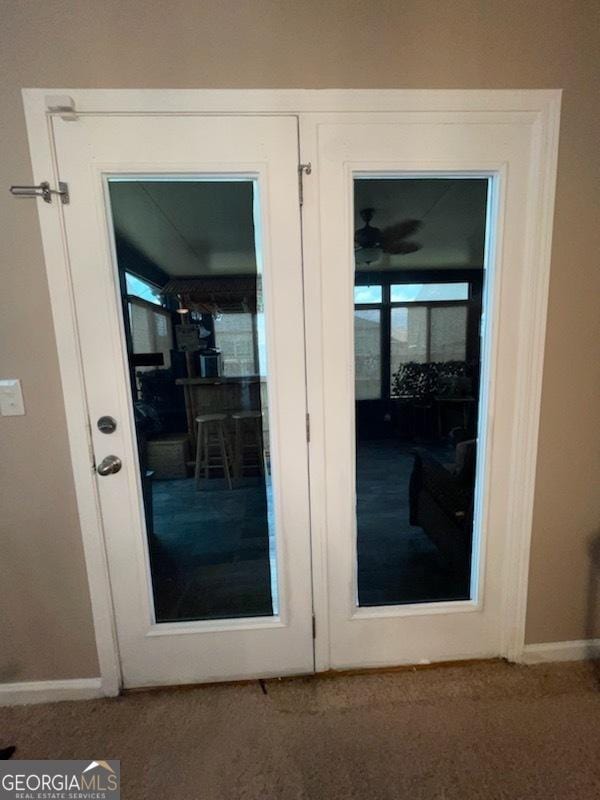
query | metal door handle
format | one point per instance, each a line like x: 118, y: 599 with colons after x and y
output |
x: 109, y: 465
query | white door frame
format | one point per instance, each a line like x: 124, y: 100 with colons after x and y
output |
x: 538, y: 108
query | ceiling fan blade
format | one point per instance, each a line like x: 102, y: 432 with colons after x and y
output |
x: 400, y: 230
x: 402, y: 247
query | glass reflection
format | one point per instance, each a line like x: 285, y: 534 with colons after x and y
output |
x: 193, y: 314
x: 419, y: 272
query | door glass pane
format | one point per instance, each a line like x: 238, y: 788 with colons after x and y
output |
x: 448, y: 333
x: 422, y: 292
x: 422, y: 240
x: 408, y: 339
x: 235, y: 338
x: 194, y: 321
x: 137, y: 287
x: 367, y: 337
x: 367, y: 294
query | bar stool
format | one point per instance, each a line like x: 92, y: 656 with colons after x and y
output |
x: 248, y: 442
x: 212, y: 448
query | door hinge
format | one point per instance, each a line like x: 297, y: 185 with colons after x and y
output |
x: 314, y: 626
x: 308, y: 427
x: 42, y: 190
x: 303, y: 169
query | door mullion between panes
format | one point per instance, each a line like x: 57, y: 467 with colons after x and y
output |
x: 428, y: 333
x: 386, y: 345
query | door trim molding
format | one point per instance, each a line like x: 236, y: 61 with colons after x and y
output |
x: 543, y: 105
x: 285, y: 101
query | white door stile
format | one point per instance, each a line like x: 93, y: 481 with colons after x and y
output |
x: 314, y: 311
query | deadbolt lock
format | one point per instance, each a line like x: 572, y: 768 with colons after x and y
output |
x: 107, y: 424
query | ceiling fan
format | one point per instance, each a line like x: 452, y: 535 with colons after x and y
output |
x: 370, y: 242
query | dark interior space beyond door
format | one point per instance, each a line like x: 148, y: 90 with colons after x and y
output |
x: 419, y: 278
x: 193, y: 315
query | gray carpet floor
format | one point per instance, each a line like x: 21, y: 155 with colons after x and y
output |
x: 486, y: 731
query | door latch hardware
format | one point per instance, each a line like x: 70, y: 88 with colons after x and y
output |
x: 109, y: 465
x: 43, y: 190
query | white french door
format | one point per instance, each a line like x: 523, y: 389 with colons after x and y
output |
x: 416, y: 553
x: 390, y: 309
x: 206, y: 522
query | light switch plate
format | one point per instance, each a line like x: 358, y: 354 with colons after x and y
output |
x: 11, y: 398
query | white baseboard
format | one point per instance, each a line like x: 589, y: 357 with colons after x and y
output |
x: 576, y: 650
x: 15, y: 694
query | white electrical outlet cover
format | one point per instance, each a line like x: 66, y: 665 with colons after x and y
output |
x: 11, y: 398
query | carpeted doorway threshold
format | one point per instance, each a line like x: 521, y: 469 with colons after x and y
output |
x: 488, y: 731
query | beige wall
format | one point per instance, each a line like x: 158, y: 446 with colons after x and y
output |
x: 45, y: 613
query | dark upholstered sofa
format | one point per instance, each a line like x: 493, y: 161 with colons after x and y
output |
x: 441, y: 503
